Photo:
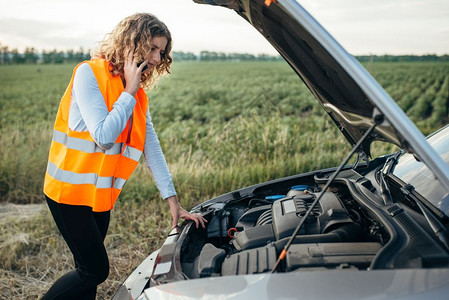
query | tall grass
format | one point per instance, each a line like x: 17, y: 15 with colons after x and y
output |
x: 222, y: 126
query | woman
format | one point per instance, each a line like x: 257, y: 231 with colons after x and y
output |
x: 102, y: 127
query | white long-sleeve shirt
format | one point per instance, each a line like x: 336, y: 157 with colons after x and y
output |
x: 88, y: 111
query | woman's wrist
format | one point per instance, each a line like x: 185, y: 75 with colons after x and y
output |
x: 130, y: 91
x: 172, y: 200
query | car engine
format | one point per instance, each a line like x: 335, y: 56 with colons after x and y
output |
x: 258, y: 242
x: 349, y: 228
x: 246, y: 236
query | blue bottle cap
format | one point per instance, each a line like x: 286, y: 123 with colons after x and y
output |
x: 299, y: 187
x: 274, y: 197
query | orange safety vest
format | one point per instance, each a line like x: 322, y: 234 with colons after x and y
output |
x: 79, y: 172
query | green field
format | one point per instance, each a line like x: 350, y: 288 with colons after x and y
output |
x: 222, y: 126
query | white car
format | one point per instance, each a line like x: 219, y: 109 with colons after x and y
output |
x: 373, y: 230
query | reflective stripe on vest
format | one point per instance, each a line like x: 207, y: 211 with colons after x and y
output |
x: 85, y: 178
x: 91, y: 147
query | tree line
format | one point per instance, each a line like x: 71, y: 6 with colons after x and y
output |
x: 402, y: 58
x: 222, y: 56
x: 31, y: 56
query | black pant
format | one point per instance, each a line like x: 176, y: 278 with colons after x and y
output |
x: 84, y: 232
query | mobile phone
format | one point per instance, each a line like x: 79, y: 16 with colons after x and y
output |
x: 144, y: 68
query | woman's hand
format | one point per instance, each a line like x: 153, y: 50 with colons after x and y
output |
x: 132, y: 73
x: 177, y: 212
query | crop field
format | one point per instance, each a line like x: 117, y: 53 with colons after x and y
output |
x: 222, y: 125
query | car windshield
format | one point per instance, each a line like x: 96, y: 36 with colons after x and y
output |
x: 418, y: 174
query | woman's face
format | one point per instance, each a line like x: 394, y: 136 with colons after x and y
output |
x: 158, y: 45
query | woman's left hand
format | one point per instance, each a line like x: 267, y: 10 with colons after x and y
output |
x: 177, y: 212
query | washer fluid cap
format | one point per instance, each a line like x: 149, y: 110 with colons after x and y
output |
x: 300, y: 187
x: 274, y: 197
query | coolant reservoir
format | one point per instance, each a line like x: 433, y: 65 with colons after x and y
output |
x: 297, y: 190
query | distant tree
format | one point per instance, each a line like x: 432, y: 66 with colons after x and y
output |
x: 234, y: 56
x: 58, y: 56
x: 179, y: 55
x: 80, y: 55
x: 53, y: 56
x: 204, y: 56
x: 221, y: 56
x: 190, y: 56
x: 46, y: 57
x: 266, y: 57
x: 247, y: 56
x: 213, y: 55
x: 4, y: 53
x: 70, y: 55
x: 30, y: 55
x: 17, y: 58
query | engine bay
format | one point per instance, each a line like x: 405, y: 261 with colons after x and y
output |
x: 349, y: 228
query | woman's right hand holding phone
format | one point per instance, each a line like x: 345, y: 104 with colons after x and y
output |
x: 132, y: 73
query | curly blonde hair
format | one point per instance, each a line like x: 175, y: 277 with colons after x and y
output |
x: 135, y: 31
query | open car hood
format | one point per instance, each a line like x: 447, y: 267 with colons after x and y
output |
x: 348, y: 93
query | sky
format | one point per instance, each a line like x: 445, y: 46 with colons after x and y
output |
x: 362, y: 26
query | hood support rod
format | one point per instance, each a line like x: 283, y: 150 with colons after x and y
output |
x: 378, y: 119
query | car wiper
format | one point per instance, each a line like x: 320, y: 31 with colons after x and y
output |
x: 387, y: 169
x: 392, y: 162
x: 361, y: 156
x: 437, y: 227
x: 378, y: 119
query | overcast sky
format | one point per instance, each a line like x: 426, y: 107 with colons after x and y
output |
x: 361, y: 26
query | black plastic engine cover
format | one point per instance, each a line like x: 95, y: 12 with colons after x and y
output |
x: 288, y: 212
x: 282, y: 218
